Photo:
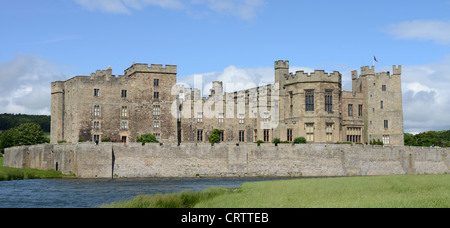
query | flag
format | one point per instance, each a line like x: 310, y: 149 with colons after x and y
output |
x: 375, y: 58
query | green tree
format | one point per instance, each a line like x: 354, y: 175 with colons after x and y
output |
x: 147, y: 138
x: 24, y: 134
x: 8, y: 139
x: 215, y: 136
x: 409, y: 139
x: 31, y: 134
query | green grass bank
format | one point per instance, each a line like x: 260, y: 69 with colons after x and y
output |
x: 409, y: 191
x: 7, y: 174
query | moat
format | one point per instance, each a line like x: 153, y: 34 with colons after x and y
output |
x: 89, y: 193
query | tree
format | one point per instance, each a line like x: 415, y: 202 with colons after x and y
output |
x: 8, y: 139
x: 24, y: 134
x: 215, y: 136
x: 147, y: 138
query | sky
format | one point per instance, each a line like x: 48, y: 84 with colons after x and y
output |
x: 227, y: 40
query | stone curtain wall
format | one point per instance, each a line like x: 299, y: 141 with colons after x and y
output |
x: 109, y: 160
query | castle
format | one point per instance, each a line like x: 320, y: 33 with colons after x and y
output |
x: 149, y: 100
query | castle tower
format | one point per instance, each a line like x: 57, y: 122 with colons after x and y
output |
x: 382, y: 97
x: 281, y: 69
x: 57, y: 115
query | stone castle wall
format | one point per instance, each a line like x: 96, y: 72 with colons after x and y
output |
x: 107, y: 160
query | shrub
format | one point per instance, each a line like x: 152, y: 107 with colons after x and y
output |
x: 215, y: 136
x: 300, y: 140
x: 259, y: 142
x: 147, y: 138
x: 376, y: 142
x: 276, y: 141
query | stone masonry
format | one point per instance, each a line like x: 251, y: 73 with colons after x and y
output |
x: 148, y: 100
x: 115, y: 160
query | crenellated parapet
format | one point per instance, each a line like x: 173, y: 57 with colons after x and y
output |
x: 367, y: 71
x: 316, y: 76
x: 107, y: 74
x: 154, y: 68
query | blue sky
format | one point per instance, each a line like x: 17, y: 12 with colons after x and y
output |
x: 47, y: 40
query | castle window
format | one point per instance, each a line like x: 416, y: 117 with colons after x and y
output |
x: 156, y: 110
x: 124, y: 111
x: 360, y: 110
x: 329, y: 132
x: 221, y: 133
x: 350, y: 110
x: 310, y: 132
x: 156, y: 95
x: 383, y: 87
x: 289, y: 135
x: 96, y: 124
x: 354, y: 134
x: 386, y: 140
x: 386, y: 124
x: 382, y: 105
x: 328, y: 102
x: 309, y: 100
x: 124, y: 94
x: 158, y: 136
x: 96, y: 92
x: 199, y: 135
x: 156, y: 82
x: 241, y: 136
x: 156, y: 124
x: 96, y: 138
x: 96, y: 110
x: 220, y: 117
x: 124, y: 125
x: 241, y: 118
x: 266, y: 135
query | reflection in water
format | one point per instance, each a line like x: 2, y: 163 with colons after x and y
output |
x: 82, y: 193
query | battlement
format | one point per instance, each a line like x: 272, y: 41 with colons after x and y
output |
x: 280, y: 64
x: 370, y: 71
x: 102, y: 73
x: 154, y: 68
x: 316, y: 76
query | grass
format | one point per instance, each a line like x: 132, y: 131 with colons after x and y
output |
x: 8, y: 174
x: 409, y: 191
x: 418, y: 191
x: 177, y: 200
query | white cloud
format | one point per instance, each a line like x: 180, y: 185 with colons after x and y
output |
x: 424, y: 30
x: 426, y: 96
x: 245, y: 9
x: 25, y: 85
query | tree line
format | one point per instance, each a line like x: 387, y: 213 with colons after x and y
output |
x: 429, y: 138
x: 8, y: 121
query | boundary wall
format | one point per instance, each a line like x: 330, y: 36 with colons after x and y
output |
x: 111, y: 160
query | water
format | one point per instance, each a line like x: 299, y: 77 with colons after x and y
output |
x: 82, y: 193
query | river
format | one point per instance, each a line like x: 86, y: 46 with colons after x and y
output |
x: 88, y: 193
